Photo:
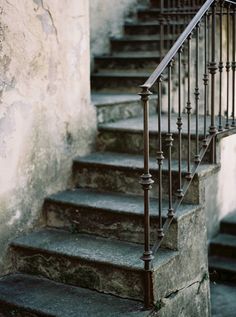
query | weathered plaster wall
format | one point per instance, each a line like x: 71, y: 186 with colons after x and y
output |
x: 220, y: 187
x: 107, y: 19
x: 45, y: 112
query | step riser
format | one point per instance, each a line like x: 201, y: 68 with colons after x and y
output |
x: 132, y: 143
x: 126, y: 64
x: 221, y: 275
x: 223, y: 250
x: 126, y: 110
x: 96, y: 276
x: 117, y: 84
x: 140, y: 46
x: 127, y: 181
x: 152, y: 30
x: 7, y: 310
x: 105, y: 224
x: 228, y: 228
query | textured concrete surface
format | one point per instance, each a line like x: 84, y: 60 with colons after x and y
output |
x: 110, y: 215
x: 23, y: 295
x: 113, y: 107
x: 106, y: 265
x: 120, y: 172
x: 223, y: 303
x: 192, y: 301
x: 45, y: 112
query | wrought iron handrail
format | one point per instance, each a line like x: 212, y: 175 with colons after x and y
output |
x: 174, y: 49
x: 211, y: 13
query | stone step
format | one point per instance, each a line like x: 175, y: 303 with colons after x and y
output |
x: 141, y: 43
x: 222, y: 268
x: 228, y: 224
x: 115, y: 107
x: 118, y: 81
x: 127, y: 135
x: 87, y: 261
x: 152, y: 28
x: 120, y: 172
x: 224, y: 245
x: 128, y: 61
x: 153, y: 14
x: 23, y: 295
x: 110, y: 215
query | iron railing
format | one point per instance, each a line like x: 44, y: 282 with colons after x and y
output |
x: 206, y: 48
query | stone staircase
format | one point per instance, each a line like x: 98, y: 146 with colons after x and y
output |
x: 86, y: 260
x: 222, y: 260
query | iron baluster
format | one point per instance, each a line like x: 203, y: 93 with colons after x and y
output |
x: 189, y: 108
x: 213, y: 70
x: 179, y: 126
x: 197, y: 94
x: 169, y: 142
x: 227, y: 66
x: 146, y: 182
x: 233, y: 65
x: 221, y: 67
x: 160, y: 157
x: 205, y: 81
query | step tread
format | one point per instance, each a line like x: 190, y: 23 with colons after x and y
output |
x: 128, y: 56
x: 113, y: 202
x: 222, y: 263
x: 224, y: 240
x: 90, y: 248
x: 148, y: 38
x: 136, y: 124
x: 102, y: 99
x: 134, y: 162
x: 48, y: 298
x: 121, y: 74
x: 137, y: 54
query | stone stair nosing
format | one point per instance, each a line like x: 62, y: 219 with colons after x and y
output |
x: 111, y: 171
x: 88, y: 261
x: 116, y: 107
x: 127, y: 136
x: 110, y: 215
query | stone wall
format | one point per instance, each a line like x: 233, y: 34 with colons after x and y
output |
x: 45, y: 113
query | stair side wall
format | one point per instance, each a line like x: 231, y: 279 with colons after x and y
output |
x: 45, y: 115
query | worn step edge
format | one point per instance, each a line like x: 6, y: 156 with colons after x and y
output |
x: 60, y: 242
x: 133, y: 162
x: 126, y: 204
x: 111, y: 215
x: 30, y: 294
x: 108, y: 266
